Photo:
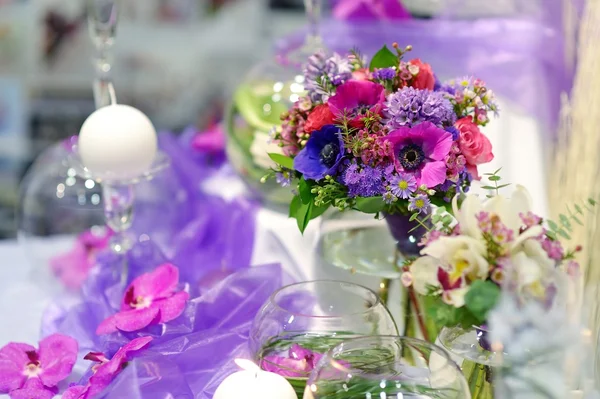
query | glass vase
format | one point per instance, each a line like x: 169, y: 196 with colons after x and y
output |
x: 301, y: 322
x: 386, y: 367
x: 471, y: 349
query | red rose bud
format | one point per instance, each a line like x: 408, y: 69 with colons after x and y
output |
x: 319, y: 117
x: 425, y: 78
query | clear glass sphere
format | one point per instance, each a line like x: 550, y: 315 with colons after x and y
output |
x: 269, y: 90
x: 302, y: 321
x: 57, y: 206
x: 386, y: 367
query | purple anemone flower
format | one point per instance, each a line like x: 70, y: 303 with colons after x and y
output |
x: 322, y: 155
x: 421, y: 151
x: 354, y: 98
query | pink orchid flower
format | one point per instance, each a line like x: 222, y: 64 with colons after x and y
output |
x: 210, y: 141
x: 29, y: 373
x: 106, y: 370
x: 150, y: 299
x: 74, y: 266
x: 299, y: 362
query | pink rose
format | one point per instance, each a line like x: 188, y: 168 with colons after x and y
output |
x: 425, y: 78
x: 319, y: 117
x: 474, y: 145
x: 361, y: 74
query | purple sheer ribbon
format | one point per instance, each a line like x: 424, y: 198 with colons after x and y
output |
x: 521, y: 59
x: 211, y: 241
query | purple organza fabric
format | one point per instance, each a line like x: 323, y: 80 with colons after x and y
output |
x: 521, y: 58
x: 211, y: 241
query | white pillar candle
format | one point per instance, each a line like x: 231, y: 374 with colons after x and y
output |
x: 254, y: 383
x: 117, y: 142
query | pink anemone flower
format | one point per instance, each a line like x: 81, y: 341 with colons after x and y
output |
x: 421, y: 151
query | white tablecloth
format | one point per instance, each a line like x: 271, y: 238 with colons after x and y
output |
x: 24, y: 292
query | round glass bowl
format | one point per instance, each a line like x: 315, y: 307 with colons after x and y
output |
x: 301, y: 322
x: 388, y: 367
x: 270, y: 89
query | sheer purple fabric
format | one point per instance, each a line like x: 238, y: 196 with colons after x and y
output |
x: 211, y: 241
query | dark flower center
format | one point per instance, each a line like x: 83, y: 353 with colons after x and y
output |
x: 362, y: 109
x: 411, y: 157
x: 329, y: 154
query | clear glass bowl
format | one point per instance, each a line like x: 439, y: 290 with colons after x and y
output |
x: 270, y: 89
x: 388, y: 367
x: 301, y: 322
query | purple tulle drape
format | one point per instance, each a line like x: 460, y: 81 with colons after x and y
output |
x: 211, y: 241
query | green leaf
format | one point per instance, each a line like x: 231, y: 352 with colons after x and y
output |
x: 304, y: 188
x: 551, y: 235
x: 497, y: 170
x: 294, y: 206
x: 316, y: 211
x: 481, y: 298
x: 384, y: 58
x: 369, y: 204
x: 565, y: 221
x: 282, y: 160
x: 564, y: 234
x: 503, y: 185
x: 592, y: 201
x: 413, y: 217
x: 576, y: 219
x: 302, y: 216
x: 552, y: 225
x: 494, y: 178
x: 488, y: 187
x: 578, y: 209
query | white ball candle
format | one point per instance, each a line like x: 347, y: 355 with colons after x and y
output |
x: 117, y: 142
x: 254, y: 383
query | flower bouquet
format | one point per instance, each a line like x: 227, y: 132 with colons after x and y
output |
x: 496, y: 244
x: 384, y: 138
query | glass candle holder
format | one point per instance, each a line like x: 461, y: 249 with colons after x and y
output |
x: 386, y: 367
x: 301, y: 322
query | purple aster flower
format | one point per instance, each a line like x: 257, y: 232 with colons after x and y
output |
x: 365, y: 181
x: 283, y: 178
x: 410, y: 106
x: 453, y: 131
x: 320, y: 72
x: 403, y: 185
x: 389, y: 198
x: 322, y: 155
x: 419, y: 203
x: 438, y: 84
x: 421, y: 151
x: 384, y: 74
x: 354, y: 98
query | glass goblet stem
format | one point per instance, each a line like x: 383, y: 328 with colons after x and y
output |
x: 313, y: 14
x: 118, y: 212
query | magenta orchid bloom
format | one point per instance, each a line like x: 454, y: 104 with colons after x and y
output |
x: 354, y: 98
x: 74, y: 266
x: 299, y: 363
x: 29, y: 373
x: 421, y: 151
x: 210, y: 141
x: 106, y: 370
x: 150, y: 299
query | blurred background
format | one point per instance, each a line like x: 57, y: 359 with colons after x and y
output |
x: 176, y: 60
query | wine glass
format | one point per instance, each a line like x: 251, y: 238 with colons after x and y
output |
x: 389, y: 367
x: 102, y: 24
